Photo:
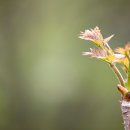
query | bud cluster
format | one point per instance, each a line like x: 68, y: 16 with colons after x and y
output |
x: 103, y: 51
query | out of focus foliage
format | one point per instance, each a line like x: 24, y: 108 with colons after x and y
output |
x: 45, y: 82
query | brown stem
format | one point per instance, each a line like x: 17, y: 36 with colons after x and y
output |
x: 125, y: 107
x: 117, y: 72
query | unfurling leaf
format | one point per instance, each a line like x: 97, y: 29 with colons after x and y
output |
x: 106, y: 40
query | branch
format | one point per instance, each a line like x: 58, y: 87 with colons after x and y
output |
x: 117, y: 72
x: 125, y: 107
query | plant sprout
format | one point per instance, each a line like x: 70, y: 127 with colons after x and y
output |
x: 121, y: 56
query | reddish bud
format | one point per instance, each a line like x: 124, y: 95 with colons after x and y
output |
x: 122, y: 89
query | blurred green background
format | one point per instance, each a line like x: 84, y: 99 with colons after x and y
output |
x: 45, y: 82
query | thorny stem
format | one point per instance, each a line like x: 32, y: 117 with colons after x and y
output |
x: 117, y: 72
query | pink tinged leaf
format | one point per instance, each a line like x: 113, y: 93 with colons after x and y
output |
x: 86, y: 53
x: 106, y: 40
x: 87, y: 35
x: 92, y: 35
x: 97, y: 53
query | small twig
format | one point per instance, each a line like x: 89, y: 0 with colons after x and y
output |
x: 128, y: 71
x: 117, y: 72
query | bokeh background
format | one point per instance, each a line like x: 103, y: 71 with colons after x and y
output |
x: 45, y: 82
